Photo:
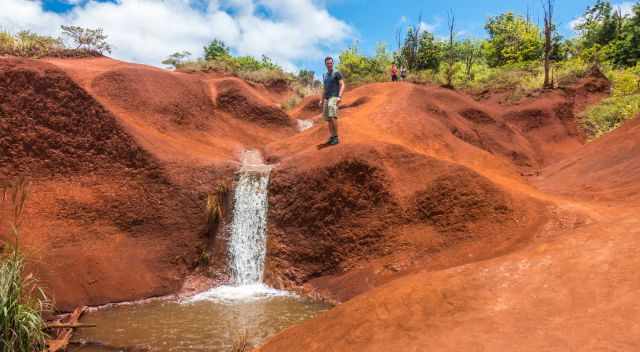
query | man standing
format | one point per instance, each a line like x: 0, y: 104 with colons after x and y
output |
x: 333, y: 90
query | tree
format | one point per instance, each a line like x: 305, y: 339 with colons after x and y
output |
x: 176, y: 59
x: 451, y: 50
x: 600, y: 25
x: 429, y: 52
x: 306, y: 77
x: 549, y: 29
x: 267, y: 64
x: 512, y: 39
x: 382, y: 59
x: 88, y: 39
x: 625, y: 51
x: 470, y: 51
x: 216, y: 50
x: 409, y: 52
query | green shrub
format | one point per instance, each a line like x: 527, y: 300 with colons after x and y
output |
x: 21, y: 301
x: 28, y: 44
x: 424, y: 77
x: 264, y: 75
x: 33, y: 45
x: 610, y: 114
x: 624, y: 81
x: 201, y: 65
x: 291, y: 103
x: 359, y: 68
x: 7, y: 41
x: 570, y: 71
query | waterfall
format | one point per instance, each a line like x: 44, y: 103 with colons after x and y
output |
x: 304, y: 125
x: 248, y: 235
x: 248, y: 243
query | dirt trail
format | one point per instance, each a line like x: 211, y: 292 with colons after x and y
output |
x: 572, y: 284
x: 443, y: 222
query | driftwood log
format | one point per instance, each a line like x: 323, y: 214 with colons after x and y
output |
x: 63, y: 335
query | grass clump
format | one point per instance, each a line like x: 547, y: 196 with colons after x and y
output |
x: 291, y: 103
x: 21, y: 300
x: 21, y: 304
x: 215, y: 206
x: 28, y: 44
x: 84, y: 42
x: 610, y: 114
x: 622, y: 105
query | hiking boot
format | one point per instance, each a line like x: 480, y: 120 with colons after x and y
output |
x: 334, y: 140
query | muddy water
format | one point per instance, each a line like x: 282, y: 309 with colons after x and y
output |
x: 206, y: 325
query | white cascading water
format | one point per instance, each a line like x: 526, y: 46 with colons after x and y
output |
x: 304, y: 125
x: 248, y: 240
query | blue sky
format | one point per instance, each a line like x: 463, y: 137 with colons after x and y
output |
x: 295, y: 33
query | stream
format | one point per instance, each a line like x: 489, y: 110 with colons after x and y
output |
x: 215, y: 319
x: 204, y: 325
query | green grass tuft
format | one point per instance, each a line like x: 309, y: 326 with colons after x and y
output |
x: 610, y: 114
x: 21, y: 300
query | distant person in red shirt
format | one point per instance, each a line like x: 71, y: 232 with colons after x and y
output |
x: 394, y: 73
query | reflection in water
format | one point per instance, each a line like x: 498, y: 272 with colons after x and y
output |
x: 210, y: 325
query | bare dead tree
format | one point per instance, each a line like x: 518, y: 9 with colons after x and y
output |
x: 547, y: 6
x: 451, y: 55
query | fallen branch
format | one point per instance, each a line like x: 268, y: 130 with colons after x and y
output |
x: 70, y: 326
x: 64, y: 336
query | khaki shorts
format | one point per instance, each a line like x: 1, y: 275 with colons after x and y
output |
x: 330, y: 108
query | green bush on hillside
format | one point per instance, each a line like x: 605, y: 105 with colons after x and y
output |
x: 28, y: 44
x: 359, y: 68
x: 512, y: 39
x: 87, y: 42
x: 570, y: 71
x: 624, y: 81
x: 218, y: 58
x: 610, y: 114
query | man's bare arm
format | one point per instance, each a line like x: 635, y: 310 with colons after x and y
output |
x: 342, y: 86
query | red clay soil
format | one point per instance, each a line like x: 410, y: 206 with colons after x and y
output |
x: 571, y: 284
x: 120, y: 173
x: 441, y: 222
x: 606, y: 169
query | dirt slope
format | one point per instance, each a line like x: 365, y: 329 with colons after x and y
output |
x: 96, y: 225
x: 425, y: 178
x: 575, y: 293
x: 180, y: 117
x: 607, y: 169
x: 121, y: 157
x: 572, y: 284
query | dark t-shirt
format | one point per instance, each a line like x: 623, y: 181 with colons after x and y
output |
x: 332, y: 84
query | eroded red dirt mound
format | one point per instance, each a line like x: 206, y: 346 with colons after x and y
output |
x: 244, y: 105
x: 455, y: 201
x: 350, y: 206
x: 50, y: 126
x: 160, y: 96
x: 606, y: 169
x: 585, y: 283
x: 102, y: 210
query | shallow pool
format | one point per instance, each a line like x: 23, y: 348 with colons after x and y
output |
x: 212, y: 321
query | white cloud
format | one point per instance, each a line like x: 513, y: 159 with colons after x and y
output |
x: 147, y: 31
x: 625, y: 8
x: 429, y: 27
